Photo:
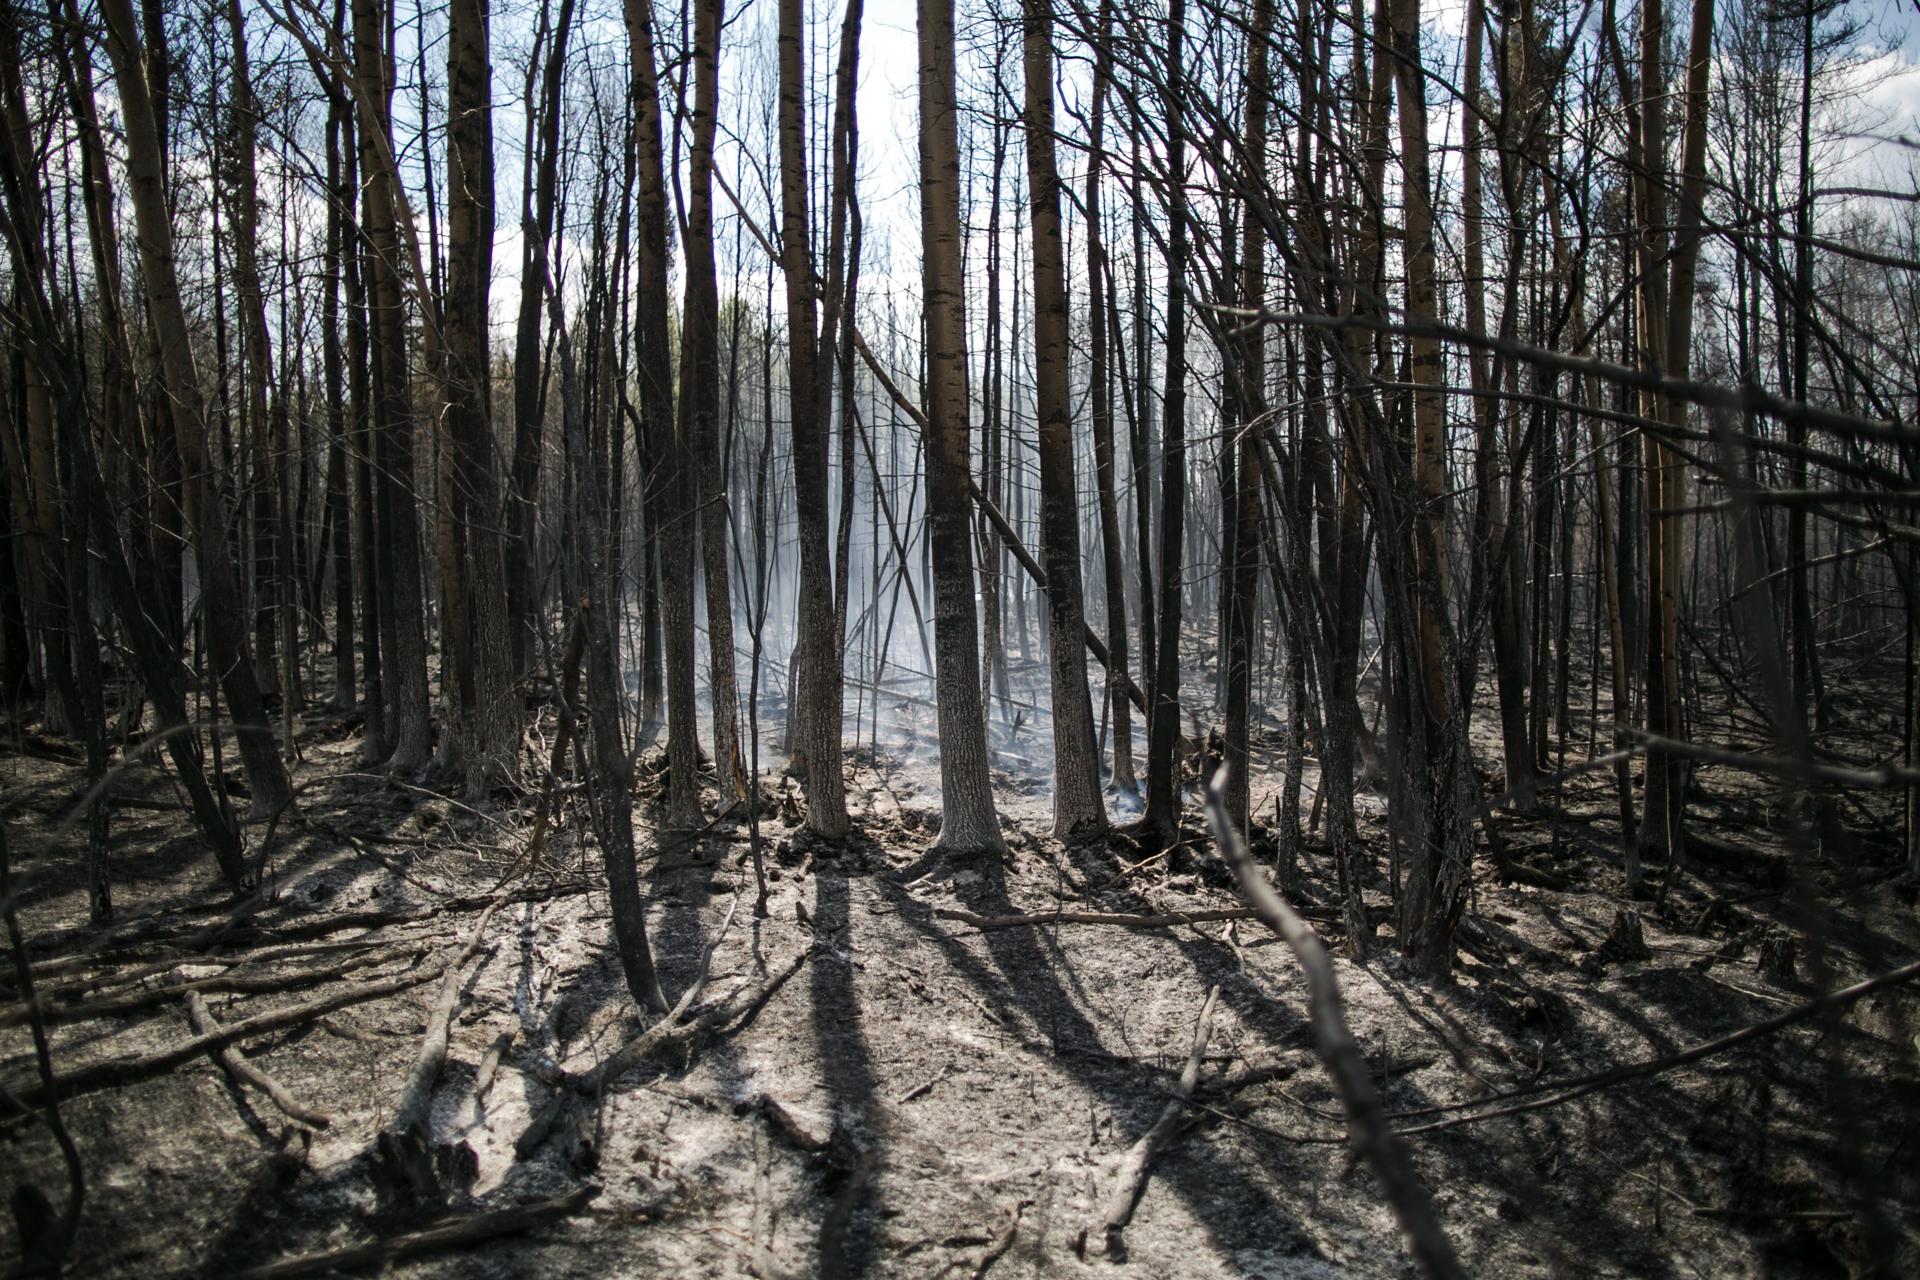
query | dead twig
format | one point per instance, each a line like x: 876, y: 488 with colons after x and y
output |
x: 1001, y: 1243
x: 490, y: 1065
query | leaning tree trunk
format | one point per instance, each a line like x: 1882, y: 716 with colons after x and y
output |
x: 610, y: 767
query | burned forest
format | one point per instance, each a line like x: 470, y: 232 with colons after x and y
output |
x: 1239, y: 639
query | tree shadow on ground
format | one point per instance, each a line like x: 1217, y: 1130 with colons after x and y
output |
x: 1022, y: 981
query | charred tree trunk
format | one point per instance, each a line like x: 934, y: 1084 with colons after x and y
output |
x: 816, y: 651
x: 673, y: 512
x: 1162, y: 818
x: 339, y: 513
x: 1076, y: 769
x: 226, y: 626
x: 1440, y: 862
x: 969, y: 823
x: 611, y: 766
x: 700, y: 401
x: 408, y: 734
x: 265, y: 459
x: 484, y: 701
x: 1243, y: 569
x: 1100, y: 413
x: 529, y: 372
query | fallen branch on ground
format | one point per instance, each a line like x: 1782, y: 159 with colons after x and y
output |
x: 450, y: 1233
x: 490, y: 1065
x: 145, y: 1066
x: 1132, y: 1178
x: 997, y: 1249
x: 1122, y: 919
x: 245, y: 1073
x: 427, y: 1064
x: 229, y: 983
x: 668, y: 1034
x: 1566, y: 1090
x: 676, y: 1032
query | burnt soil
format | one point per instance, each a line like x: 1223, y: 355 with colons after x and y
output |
x: 923, y: 1097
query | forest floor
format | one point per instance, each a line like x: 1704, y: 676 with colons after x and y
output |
x: 922, y: 1096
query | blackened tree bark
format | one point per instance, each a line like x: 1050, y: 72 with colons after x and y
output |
x: 1491, y: 565
x: 1076, y: 768
x: 263, y: 413
x: 339, y: 506
x: 611, y: 767
x: 835, y: 366
x: 817, y: 651
x: 489, y: 724
x: 1439, y: 863
x: 671, y: 527
x: 529, y: 375
x: 1243, y: 568
x: 226, y: 627
x: 700, y: 400
x: 1100, y: 413
x: 969, y: 823
x: 406, y: 744
x: 1163, y: 729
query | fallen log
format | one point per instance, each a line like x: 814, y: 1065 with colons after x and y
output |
x: 1125, y: 920
x: 1132, y: 1178
x: 220, y: 984
x: 406, y: 1162
x: 449, y: 1233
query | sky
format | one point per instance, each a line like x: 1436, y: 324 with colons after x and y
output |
x: 1884, y: 108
